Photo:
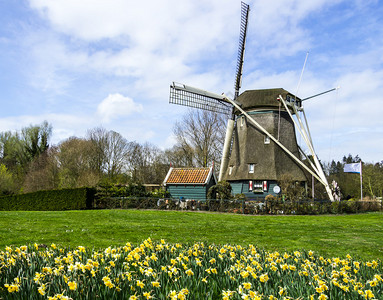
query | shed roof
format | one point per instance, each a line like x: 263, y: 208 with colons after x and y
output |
x: 188, y: 176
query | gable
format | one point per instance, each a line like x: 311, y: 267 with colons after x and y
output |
x: 188, y: 176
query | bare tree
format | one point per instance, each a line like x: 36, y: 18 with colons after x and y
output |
x: 43, y: 172
x: 147, y: 163
x: 111, y: 151
x: 179, y: 156
x: 201, y: 133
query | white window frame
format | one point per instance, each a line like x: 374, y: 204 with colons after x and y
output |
x: 230, y: 170
x: 258, y: 186
x: 251, y: 168
x: 242, y: 121
x: 267, y: 139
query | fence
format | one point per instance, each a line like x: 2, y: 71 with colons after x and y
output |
x: 301, y: 207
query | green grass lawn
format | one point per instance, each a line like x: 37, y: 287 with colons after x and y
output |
x: 359, y: 235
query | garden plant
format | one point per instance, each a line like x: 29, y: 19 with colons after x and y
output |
x: 162, y: 270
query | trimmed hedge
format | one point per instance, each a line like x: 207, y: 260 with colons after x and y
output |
x: 65, y: 199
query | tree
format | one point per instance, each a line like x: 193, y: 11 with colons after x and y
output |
x: 350, y: 159
x: 35, y: 140
x: 147, y: 163
x: 179, y: 156
x: 76, y: 160
x: 10, y: 150
x: 116, y: 153
x: 43, y: 172
x: 201, y: 135
x: 111, y: 151
x: 19, y: 150
x: 349, y: 183
x: 290, y: 188
x: 7, y: 184
x: 373, y: 179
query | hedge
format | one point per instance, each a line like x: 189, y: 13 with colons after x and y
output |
x: 65, y: 199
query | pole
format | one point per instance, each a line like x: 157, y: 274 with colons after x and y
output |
x: 226, y: 148
x: 312, y: 187
x: 334, y: 89
x: 361, y: 182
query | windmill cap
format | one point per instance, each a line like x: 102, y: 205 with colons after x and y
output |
x: 264, y: 99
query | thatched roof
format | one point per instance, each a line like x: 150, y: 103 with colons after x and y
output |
x: 269, y: 160
x: 266, y: 98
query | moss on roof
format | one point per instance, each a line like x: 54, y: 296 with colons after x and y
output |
x: 266, y: 98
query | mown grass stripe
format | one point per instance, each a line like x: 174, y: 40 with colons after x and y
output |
x: 359, y: 235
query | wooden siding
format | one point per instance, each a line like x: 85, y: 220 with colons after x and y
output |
x: 188, y: 191
x: 236, y: 187
x: 239, y: 187
x: 189, y: 183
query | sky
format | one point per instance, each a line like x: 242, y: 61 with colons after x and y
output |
x: 109, y: 63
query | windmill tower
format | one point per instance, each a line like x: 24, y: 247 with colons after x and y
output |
x: 260, y: 144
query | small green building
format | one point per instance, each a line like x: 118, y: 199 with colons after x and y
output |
x: 189, y: 183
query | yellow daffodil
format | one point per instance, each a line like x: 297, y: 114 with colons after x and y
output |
x: 155, y: 284
x: 72, y: 285
x: 140, y: 283
x: 264, y: 278
x: 189, y: 272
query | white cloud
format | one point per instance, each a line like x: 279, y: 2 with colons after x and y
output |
x: 76, y: 52
x: 64, y: 125
x: 115, y: 106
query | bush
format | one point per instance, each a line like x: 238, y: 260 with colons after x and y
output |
x: 65, y: 199
x: 222, y: 190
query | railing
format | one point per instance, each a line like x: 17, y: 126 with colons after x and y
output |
x: 275, y: 207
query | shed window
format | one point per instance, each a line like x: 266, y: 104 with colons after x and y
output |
x: 251, y: 168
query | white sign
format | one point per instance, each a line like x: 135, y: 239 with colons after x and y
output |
x: 276, y: 189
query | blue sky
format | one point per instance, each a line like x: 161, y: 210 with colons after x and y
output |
x: 84, y: 64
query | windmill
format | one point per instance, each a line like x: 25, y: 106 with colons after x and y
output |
x: 260, y: 144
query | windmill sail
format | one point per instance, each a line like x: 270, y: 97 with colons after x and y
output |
x: 192, y: 97
x: 245, y: 8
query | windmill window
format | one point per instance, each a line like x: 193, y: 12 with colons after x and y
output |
x: 251, y: 168
x: 267, y: 139
x: 258, y: 187
x: 230, y: 170
x: 242, y: 121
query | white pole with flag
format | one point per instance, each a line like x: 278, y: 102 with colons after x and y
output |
x: 355, y: 168
x: 361, y: 182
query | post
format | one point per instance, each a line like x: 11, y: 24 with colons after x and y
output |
x: 361, y: 182
x: 312, y: 187
x: 226, y: 148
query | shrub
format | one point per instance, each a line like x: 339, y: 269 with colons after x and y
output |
x: 65, y: 199
x: 222, y: 190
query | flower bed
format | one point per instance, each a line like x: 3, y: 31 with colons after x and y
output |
x: 159, y: 270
